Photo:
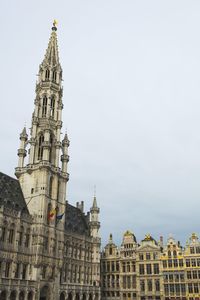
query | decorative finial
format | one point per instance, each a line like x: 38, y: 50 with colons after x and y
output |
x: 55, y: 23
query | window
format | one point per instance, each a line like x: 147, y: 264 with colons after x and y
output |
x: 3, y: 234
x: 24, y: 269
x: 175, y: 263
x: 17, y: 268
x: 21, y: 236
x: 52, y: 106
x: 149, y: 285
x: 141, y: 269
x: 194, y: 273
x: 149, y: 270
x: 180, y: 262
x: 164, y: 264
x: 198, y: 262
x: 189, y: 275
x: 157, y: 285
x: 7, y: 269
x: 54, y: 76
x: 142, y: 285
x: 193, y: 261
x: 177, y: 288
x: 156, y: 268
x: 190, y: 288
x: 51, y: 149
x: 196, y: 288
x: 47, y: 73
x: 182, y: 277
x: 44, y: 106
x: 192, y: 250
x: 27, y: 238
x: 166, y: 288
x: 148, y: 256
x: 11, y: 236
x: 187, y: 263
x: 198, y: 249
x: 40, y: 149
x: 110, y: 251
x: 170, y: 263
x: 141, y: 256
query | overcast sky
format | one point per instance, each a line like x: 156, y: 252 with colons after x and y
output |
x: 131, y: 105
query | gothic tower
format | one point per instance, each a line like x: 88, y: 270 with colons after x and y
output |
x: 44, y: 178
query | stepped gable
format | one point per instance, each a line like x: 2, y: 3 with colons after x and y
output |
x: 75, y: 220
x: 11, y: 195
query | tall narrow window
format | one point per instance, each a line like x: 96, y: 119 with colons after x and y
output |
x: 50, y: 187
x: 40, y: 148
x: 7, y: 269
x: 44, y: 106
x: 51, y: 149
x: 54, y: 76
x: 47, y: 73
x: 52, y: 106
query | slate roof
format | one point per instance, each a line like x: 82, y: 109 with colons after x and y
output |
x: 11, y: 195
x: 75, y: 220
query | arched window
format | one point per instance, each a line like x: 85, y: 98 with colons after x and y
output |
x: 52, y: 106
x: 27, y: 238
x: 44, y: 106
x: 11, y: 234
x: 21, y: 233
x: 47, y: 74
x: 40, y: 148
x: 54, y: 76
x: 51, y: 149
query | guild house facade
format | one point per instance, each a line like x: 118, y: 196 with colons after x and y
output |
x: 150, y: 270
x: 49, y: 249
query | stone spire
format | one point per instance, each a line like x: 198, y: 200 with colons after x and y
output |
x: 51, y: 57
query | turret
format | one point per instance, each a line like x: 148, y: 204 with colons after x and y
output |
x: 65, y: 157
x: 22, y: 149
x: 94, y: 221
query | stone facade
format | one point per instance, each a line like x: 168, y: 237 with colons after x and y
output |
x: 49, y: 248
x: 149, y: 270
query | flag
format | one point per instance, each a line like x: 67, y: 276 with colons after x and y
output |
x: 59, y: 217
x: 51, y: 214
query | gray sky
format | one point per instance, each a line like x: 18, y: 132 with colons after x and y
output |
x: 131, y: 104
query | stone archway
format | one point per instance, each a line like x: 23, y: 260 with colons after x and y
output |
x: 21, y: 295
x: 44, y: 293
x: 62, y: 296
x: 30, y: 296
x: 3, y: 295
x: 13, y: 295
